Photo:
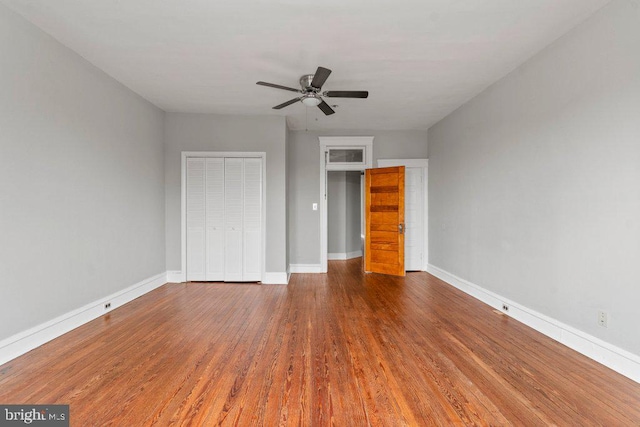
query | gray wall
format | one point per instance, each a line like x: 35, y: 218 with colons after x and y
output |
x: 210, y: 132
x: 81, y: 181
x: 304, y: 223
x: 534, y: 185
x: 353, y: 241
x: 336, y: 212
x: 343, y: 212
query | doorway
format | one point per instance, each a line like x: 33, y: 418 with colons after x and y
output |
x: 339, y: 153
x: 344, y: 215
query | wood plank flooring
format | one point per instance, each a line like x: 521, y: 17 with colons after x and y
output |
x: 342, y: 349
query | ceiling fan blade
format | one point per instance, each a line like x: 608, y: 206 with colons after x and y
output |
x: 284, y: 104
x: 277, y: 86
x: 321, y: 76
x: 325, y: 108
x: 346, y: 94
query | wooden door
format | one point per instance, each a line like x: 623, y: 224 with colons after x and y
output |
x: 384, y: 219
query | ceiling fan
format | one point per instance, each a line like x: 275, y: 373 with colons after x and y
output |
x: 311, y: 85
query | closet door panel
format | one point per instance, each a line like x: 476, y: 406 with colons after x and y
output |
x: 233, y: 201
x: 252, y: 259
x: 252, y: 224
x: 413, y: 204
x: 196, y: 233
x: 215, y: 219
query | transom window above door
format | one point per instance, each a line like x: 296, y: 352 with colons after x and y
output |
x: 342, y: 153
x: 346, y: 155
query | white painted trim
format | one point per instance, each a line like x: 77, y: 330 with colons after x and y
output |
x: 620, y: 360
x: 25, y: 341
x: 408, y: 163
x: 344, y: 256
x: 183, y: 200
x: 424, y: 164
x: 306, y: 268
x: 354, y: 254
x: 337, y: 141
x: 175, y: 276
x: 425, y: 213
x: 275, y: 278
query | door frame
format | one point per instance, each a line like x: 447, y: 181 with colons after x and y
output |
x: 327, y: 142
x: 183, y: 200
x: 424, y: 164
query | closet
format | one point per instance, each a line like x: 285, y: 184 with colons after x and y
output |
x: 224, y: 219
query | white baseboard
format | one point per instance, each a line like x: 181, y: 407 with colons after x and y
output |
x: 275, y: 278
x: 25, y: 341
x: 175, y: 276
x: 305, y: 268
x: 342, y: 256
x: 620, y: 360
x: 270, y: 278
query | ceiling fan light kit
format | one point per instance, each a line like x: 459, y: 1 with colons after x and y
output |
x: 311, y: 100
x: 311, y: 85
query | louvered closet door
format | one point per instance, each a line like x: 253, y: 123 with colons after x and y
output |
x: 252, y: 221
x: 215, y: 219
x: 196, y: 233
x: 233, y: 199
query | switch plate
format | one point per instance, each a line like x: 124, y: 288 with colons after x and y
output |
x: 315, y: 206
x: 602, y: 318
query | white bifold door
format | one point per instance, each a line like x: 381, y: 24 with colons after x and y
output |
x: 224, y: 219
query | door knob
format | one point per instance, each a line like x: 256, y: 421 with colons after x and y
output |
x: 400, y: 228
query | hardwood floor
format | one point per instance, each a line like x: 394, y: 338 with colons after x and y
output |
x: 342, y: 349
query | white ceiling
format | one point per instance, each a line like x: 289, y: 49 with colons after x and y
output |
x: 419, y: 59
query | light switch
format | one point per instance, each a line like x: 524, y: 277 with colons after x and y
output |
x: 315, y: 206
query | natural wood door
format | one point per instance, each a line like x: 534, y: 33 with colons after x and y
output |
x: 384, y: 219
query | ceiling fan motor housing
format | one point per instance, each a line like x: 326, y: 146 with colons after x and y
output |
x: 305, y: 83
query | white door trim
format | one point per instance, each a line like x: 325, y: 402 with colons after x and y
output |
x: 183, y: 200
x: 337, y: 141
x: 424, y: 164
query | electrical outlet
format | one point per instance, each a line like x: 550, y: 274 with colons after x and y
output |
x: 505, y: 307
x: 107, y: 306
x: 602, y: 318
